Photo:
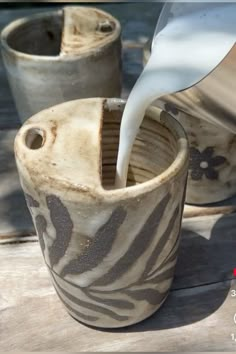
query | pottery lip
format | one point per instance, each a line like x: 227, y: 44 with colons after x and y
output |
x: 12, y: 26
x: 177, y: 169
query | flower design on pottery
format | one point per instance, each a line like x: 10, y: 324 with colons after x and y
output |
x: 204, y: 163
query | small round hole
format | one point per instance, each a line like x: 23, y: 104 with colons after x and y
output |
x: 34, y: 138
x: 105, y: 26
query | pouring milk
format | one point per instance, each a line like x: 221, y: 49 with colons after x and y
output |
x: 186, y: 47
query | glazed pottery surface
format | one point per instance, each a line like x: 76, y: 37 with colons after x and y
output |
x: 212, y: 167
x: 62, y: 55
x: 111, y: 253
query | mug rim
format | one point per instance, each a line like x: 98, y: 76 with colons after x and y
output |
x: 12, y: 26
x: 177, y: 168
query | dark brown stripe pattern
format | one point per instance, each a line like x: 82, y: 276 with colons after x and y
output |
x: 90, y: 306
x: 30, y: 201
x: 131, y: 299
x: 41, y: 225
x: 138, y: 247
x: 63, y: 225
x: 100, y: 247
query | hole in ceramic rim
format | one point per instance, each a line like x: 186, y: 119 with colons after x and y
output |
x: 154, y: 150
x: 106, y: 26
x: 34, y: 138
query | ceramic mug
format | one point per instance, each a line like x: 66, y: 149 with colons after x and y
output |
x: 62, y: 55
x: 111, y: 252
x: 212, y: 167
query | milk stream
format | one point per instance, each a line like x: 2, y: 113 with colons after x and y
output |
x: 187, y: 49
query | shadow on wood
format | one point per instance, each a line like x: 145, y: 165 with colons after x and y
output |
x: 14, y: 216
x: 16, y: 220
x: 206, y: 251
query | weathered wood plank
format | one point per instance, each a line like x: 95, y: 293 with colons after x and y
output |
x: 33, y: 319
x: 205, y: 254
x: 225, y: 207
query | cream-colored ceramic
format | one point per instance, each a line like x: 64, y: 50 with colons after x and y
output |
x: 212, y: 167
x: 111, y: 253
x: 62, y: 55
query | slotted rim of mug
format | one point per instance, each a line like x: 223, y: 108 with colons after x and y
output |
x: 14, y: 25
x: 177, y: 167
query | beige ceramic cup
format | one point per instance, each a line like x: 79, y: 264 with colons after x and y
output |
x: 62, y: 55
x: 212, y: 167
x: 111, y: 253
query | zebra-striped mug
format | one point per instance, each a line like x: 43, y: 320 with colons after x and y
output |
x: 111, y: 253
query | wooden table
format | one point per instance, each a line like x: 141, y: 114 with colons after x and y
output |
x: 198, y: 314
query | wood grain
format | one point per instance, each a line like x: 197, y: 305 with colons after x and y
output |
x: 195, y: 319
x: 205, y: 254
x: 224, y: 207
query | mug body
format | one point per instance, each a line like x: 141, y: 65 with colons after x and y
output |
x: 41, y: 75
x: 212, y: 165
x: 111, y: 252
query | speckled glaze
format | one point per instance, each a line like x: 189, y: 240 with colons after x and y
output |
x: 111, y: 253
x: 62, y: 55
x: 212, y: 167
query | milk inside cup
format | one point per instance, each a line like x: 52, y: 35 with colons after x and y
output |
x: 111, y: 253
x: 62, y: 55
x: 183, y: 56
